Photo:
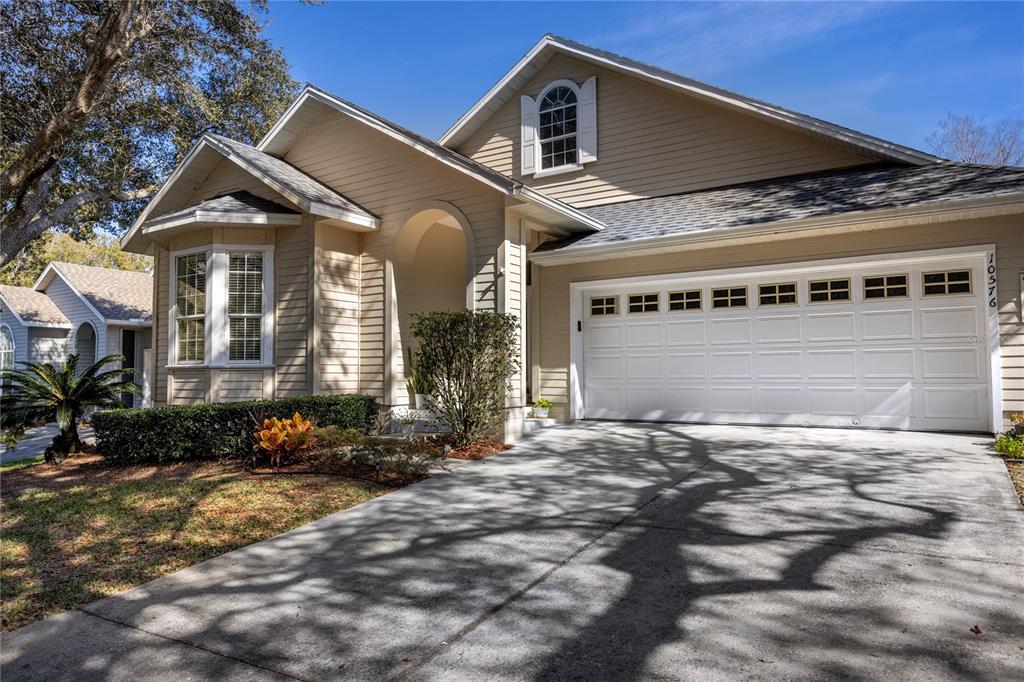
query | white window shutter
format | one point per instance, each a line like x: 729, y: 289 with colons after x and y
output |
x: 529, y: 122
x: 588, y: 121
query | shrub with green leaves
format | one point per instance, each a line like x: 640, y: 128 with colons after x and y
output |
x: 215, y: 430
x: 470, y: 357
x: 1010, y: 445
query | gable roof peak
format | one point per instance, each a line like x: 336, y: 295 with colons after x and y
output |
x: 551, y: 44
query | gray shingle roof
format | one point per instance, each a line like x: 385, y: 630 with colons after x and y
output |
x: 816, y: 195
x: 290, y: 177
x: 34, y: 307
x: 118, y: 295
x: 240, y: 202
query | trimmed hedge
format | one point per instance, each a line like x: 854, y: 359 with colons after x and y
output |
x: 214, y: 430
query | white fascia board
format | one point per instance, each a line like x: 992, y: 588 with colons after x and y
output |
x: 135, y: 322
x: 931, y: 212
x: 313, y: 93
x: 702, y: 91
x: 158, y: 225
x: 539, y: 198
x: 361, y: 220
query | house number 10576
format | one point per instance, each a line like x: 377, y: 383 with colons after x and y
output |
x: 991, y: 272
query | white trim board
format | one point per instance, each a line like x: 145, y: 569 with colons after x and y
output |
x: 983, y: 255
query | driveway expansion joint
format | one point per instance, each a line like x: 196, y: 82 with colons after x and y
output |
x: 192, y: 645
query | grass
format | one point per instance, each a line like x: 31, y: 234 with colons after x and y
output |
x: 76, y: 533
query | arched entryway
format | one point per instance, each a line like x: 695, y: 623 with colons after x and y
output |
x: 434, y: 270
x: 85, y: 345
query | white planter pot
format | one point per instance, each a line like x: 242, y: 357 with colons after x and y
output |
x: 421, y: 401
x: 541, y: 412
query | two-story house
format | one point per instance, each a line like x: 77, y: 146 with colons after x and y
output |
x: 673, y: 251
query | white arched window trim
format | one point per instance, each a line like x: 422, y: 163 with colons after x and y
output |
x: 7, y: 346
x: 586, y: 128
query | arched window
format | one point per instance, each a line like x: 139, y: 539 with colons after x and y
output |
x: 6, y: 347
x: 558, y: 128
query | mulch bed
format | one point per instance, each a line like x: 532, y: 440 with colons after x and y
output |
x: 1016, y: 471
x: 485, y: 448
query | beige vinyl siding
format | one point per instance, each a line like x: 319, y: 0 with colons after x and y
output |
x: 337, y: 310
x: 234, y: 385
x: 653, y: 141
x: 552, y: 356
x: 293, y: 354
x: 227, y: 177
x: 391, y: 179
x: 189, y: 386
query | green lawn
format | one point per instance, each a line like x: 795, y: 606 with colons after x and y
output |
x: 72, y: 534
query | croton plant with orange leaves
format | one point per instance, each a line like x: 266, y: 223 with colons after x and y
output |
x: 284, y: 437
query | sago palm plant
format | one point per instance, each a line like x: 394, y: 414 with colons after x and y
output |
x: 44, y: 392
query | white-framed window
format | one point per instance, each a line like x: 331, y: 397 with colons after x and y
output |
x: 886, y: 286
x: 559, y: 128
x: 729, y: 297
x: 604, y: 305
x: 946, y: 282
x: 684, y: 300
x: 223, y: 306
x: 190, y: 306
x: 643, y: 303
x: 245, y: 306
x: 776, y: 294
x: 6, y: 347
x: 829, y: 290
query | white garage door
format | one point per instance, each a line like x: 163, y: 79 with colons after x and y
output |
x: 878, y: 343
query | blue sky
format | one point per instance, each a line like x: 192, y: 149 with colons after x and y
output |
x: 890, y: 69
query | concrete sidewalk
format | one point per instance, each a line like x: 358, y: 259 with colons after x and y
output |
x: 603, y: 551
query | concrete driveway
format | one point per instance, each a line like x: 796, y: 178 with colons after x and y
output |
x: 604, y: 552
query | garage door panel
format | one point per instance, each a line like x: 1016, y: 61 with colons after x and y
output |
x: 732, y: 366
x: 730, y: 331
x: 831, y: 364
x: 944, y: 323
x: 782, y: 364
x: 831, y: 327
x: 687, y: 366
x: 644, y: 334
x: 643, y: 366
x: 888, y: 363
x: 884, y: 325
x: 912, y: 362
x: 951, y: 363
x: 685, y: 333
x: 779, y: 329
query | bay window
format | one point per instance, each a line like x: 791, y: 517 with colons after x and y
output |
x: 223, y: 312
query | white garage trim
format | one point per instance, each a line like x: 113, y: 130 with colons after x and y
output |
x: 981, y: 258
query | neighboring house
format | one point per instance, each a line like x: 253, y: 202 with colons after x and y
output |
x: 80, y: 309
x: 673, y: 251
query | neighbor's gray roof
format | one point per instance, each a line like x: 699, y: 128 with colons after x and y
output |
x: 33, y: 307
x: 306, y: 186
x: 816, y: 195
x: 234, y: 202
x: 118, y: 295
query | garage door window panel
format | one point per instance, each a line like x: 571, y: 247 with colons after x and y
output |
x: 878, y: 287
x: 946, y: 283
x: 829, y: 290
x: 777, y: 294
x: 684, y: 300
x: 643, y: 303
x: 731, y: 297
x: 604, y: 305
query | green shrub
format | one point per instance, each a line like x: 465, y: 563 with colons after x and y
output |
x: 404, y: 459
x: 470, y: 357
x: 1010, y: 445
x: 212, y: 430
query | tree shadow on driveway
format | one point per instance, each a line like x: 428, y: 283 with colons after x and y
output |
x: 602, y: 551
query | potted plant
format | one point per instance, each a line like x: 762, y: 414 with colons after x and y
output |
x: 419, y: 383
x: 541, y: 408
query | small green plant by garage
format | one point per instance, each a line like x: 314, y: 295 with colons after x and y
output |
x: 541, y: 407
x: 418, y: 381
x: 1011, y: 443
